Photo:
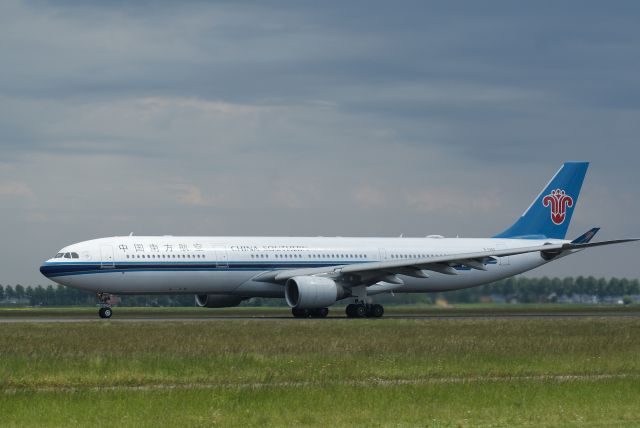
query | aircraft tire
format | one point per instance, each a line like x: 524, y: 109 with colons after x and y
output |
x: 319, y: 312
x: 360, y: 311
x: 350, y: 310
x: 377, y: 311
x: 300, y: 313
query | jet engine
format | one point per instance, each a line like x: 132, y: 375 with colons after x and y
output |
x: 217, y: 300
x: 306, y: 292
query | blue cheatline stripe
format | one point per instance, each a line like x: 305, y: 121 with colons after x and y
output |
x: 55, y: 269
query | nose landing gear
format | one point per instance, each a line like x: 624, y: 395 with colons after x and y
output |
x: 106, y: 300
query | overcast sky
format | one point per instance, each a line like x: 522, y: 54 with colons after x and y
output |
x: 313, y: 118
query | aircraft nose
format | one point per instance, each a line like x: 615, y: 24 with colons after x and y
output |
x: 46, y: 269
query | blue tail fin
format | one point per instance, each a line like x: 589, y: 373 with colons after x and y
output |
x: 549, y: 214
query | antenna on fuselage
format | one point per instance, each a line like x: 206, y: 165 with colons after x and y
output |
x: 131, y: 234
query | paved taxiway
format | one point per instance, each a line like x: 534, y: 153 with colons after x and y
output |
x: 124, y: 318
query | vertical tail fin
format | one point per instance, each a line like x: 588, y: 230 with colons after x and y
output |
x: 550, y: 213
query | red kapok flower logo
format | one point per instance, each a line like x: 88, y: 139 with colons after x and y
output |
x: 558, y: 200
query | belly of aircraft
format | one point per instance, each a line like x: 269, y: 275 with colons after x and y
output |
x: 194, y: 282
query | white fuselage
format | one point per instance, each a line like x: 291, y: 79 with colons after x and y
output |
x: 228, y: 265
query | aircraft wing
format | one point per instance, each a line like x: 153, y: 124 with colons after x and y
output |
x: 372, y: 272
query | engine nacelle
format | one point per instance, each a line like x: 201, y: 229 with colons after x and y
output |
x: 217, y: 300
x: 306, y: 292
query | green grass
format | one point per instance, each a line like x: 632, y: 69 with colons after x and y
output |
x: 423, y: 372
x: 532, y: 404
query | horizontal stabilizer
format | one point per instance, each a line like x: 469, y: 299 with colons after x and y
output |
x: 586, y: 237
x: 579, y: 246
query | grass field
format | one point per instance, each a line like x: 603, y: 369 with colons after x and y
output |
x: 386, y: 372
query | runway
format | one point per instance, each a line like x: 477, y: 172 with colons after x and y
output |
x: 425, y: 317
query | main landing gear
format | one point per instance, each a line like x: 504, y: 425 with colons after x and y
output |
x: 310, y: 313
x: 361, y: 310
x: 105, y: 303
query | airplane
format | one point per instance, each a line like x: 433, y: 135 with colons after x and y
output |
x: 313, y: 273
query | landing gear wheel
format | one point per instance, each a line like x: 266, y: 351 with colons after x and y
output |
x: 360, y: 311
x: 375, y: 311
x: 356, y: 310
x: 300, y: 313
x: 350, y: 310
x: 319, y: 312
x: 105, y: 312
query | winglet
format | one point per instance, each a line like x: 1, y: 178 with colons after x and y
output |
x: 586, y: 237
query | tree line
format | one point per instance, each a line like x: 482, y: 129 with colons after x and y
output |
x: 520, y: 289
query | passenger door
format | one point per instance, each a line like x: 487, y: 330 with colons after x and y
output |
x: 106, y: 257
x: 220, y: 254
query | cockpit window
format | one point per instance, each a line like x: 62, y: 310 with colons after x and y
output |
x: 75, y: 256
x: 67, y: 255
x: 59, y: 256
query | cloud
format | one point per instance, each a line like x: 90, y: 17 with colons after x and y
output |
x: 369, y: 196
x: 191, y: 195
x: 21, y: 190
